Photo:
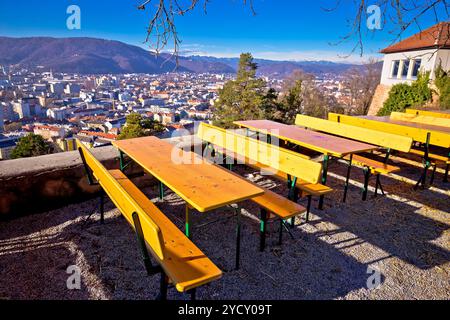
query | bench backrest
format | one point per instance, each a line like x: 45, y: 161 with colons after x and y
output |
x: 124, y: 202
x: 269, y: 155
x: 428, y: 113
x: 383, y: 139
x: 437, y: 138
x: 442, y: 122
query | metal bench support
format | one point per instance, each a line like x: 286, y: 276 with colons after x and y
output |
x: 426, y: 164
x: 326, y: 158
x: 262, y: 229
x: 187, y: 226
x: 366, y: 183
x: 308, y: 207
x: 349, y: 168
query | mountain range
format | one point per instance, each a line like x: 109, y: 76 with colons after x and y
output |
x: 99, y: 56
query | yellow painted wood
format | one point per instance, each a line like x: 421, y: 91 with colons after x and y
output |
x: 184, y: 263
x: 272, y: 156
x: 279, y: 205
x: 417, y: 133
x: 435, y: 113
x: 201, y: 184
x: 375, y: 166
x: 383, y: 139
x: 432, y: 156
x: 442, y: 122
x: 316, y: 141
x: 125, y: 203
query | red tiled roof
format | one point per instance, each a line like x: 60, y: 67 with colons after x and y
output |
x: 438, y: 36
x: 98, y: 134
x: 49, y: 128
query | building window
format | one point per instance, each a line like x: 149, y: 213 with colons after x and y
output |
x: 405, y: 69
x: 416, y: 68
x: 395, y: 67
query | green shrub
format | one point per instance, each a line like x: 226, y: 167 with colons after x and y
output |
x: 402, y: 96
x: 31, y: 145
x: 442, y: 82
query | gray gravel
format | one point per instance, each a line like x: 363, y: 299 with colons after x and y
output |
x: 405, y: 236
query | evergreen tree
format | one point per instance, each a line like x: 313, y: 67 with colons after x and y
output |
x: 289, y: 105
x: 31, y: 145
x: 137, y: 127
x: 245, y: 98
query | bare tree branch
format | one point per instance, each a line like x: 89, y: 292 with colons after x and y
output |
x: 397, y: 15
x: 162, y: 30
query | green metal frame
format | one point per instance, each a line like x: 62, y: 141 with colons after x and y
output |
x: 161, y: 190
x: 149, y: 267
x: 187, y: 229
x: 426, y: 164
x: 326, y: 159
x: 347, y: 178
x: 378, y: 181
x: 308, y: 207
x: 447, y: 167
x: 123, y: 165
x: 262, y: 229
x: 151, y: 270
x: 92, y: 183
x: 365, y: 188
x: 237, y: 210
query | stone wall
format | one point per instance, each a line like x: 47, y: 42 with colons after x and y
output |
x: 39, y: 184
x: 380, y: 96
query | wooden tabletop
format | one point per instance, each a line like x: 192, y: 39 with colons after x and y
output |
x: 416, y: 125
x: 317, y: 141
x: 201, y: 184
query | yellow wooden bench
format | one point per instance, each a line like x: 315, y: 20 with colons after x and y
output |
x: 429, y: 113
x: 423, y: 136
x: 300, y: 173
x: 435, y: 121
x: 388, y: 141
x: 274, y: 205
x: 179, y: 261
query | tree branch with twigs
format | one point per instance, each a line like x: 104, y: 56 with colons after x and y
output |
x: 396, y: 15
x: 162, y: 30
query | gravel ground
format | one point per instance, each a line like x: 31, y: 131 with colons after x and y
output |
x: 403, y: 239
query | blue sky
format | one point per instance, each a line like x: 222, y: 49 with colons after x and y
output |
x: 281, y: 29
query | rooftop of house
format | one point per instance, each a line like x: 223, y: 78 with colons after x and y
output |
x: 435, y: 37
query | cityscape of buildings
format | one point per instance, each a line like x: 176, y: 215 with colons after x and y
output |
x: 64, y: 107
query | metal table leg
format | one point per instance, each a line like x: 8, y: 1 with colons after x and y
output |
x: 326, y: 158
x: 349, y: 168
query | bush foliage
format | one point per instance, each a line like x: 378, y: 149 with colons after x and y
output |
x: 402, y: 96
x: 31, y: 145
x: 442, y: 82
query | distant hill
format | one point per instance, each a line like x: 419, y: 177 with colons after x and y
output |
x: 94, y: 56
x: 97, y: 56
x: 283, y: 68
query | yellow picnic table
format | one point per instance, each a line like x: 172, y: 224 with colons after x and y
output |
x: 203, y: 185
x: 415, y: 125
x: 428, y: 135
x: 328, y: 145
x: 429, y: 112
x: 429, y: 120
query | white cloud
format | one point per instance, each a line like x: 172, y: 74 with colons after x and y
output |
x: 304, y: 55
